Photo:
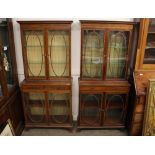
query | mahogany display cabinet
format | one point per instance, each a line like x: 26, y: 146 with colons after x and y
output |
x: 47, y: 104
x: 47, y: 88
x: 103, y: 104
x: 144, y: 70
x: 105, y: 68
x: 10, y: 97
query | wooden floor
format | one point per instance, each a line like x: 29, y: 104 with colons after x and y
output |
x: 64, y: 132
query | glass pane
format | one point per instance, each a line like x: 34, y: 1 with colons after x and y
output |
x: 1, y: 92
x: 58, y: 49
x: 149, y: 56
x: 117, y: 51
x: 92, y: 57
x: 90, y: 108
x: 1, y: 50
x: 59, y: 108
x: 35, y: 53
x: 35, y: 106
x: 5, y: 52
x: 115, y: 108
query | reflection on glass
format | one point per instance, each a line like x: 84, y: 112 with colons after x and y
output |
x: 117, y: 51
x: 149, y: 56
x: 59, y: 108
x: 5, y: 52
x: 58, y: 50
x: 35, y: 53
x: 92, y: 57
x: 115, y: 108
x: 35, y: 106
x: 91, y: 104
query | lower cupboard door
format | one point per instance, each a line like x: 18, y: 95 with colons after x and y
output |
x: 115, y: 109
x: 35, y: 107
x: 90, y: 109
x: 59, y: 108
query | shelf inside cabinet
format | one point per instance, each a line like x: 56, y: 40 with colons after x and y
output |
x: 93, y: 47
x: 151, y: 32
x: 59, y: 45
x: 148, y: 47
x: 52, y: 63
x: 115, y: 105
x: 109, y: 121
x: 116, y: 59
x: 59, y: 119
x: 37, y: 111
x: 35, y: 103
x: 29, y: 46
x: 117, y: 47
x: 90, y: 105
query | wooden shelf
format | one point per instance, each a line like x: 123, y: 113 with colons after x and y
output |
x: 151, y: 32
x: 115, y: 106
x: 113, y: 121
x: 149, y: 47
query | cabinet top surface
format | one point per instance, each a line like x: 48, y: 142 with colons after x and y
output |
x: 141, y: 79
x: 45, y: 22
x: 106, y: 22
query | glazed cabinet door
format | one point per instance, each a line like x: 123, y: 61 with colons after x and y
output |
x: 149, y: 44
x: 59, y: 53
x: 35, y: 108
x: 149, y: 53
x: 115, y: 109
x: 117, y: 55
x: 105, y: 54
x: 92, y: 54
x: 90, y: 109
x: 3, y: 83
x: 146, y: 46
x: 34, y: 54
x: 59, y: 108
x: 46, y: 49
x: 7, y: 71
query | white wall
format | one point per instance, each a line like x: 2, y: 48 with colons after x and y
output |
x: 75, y: 51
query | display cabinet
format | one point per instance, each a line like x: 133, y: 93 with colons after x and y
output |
x: 7, y: 76
x: 103, y: 82
x: 146, y: 45
x: 105, y: 51
x: 103, y: 104
x: 10, y: 99
x: 47, y: 87
x: 47, y: 104
x: 46, y: 49
x: 144, y: 70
